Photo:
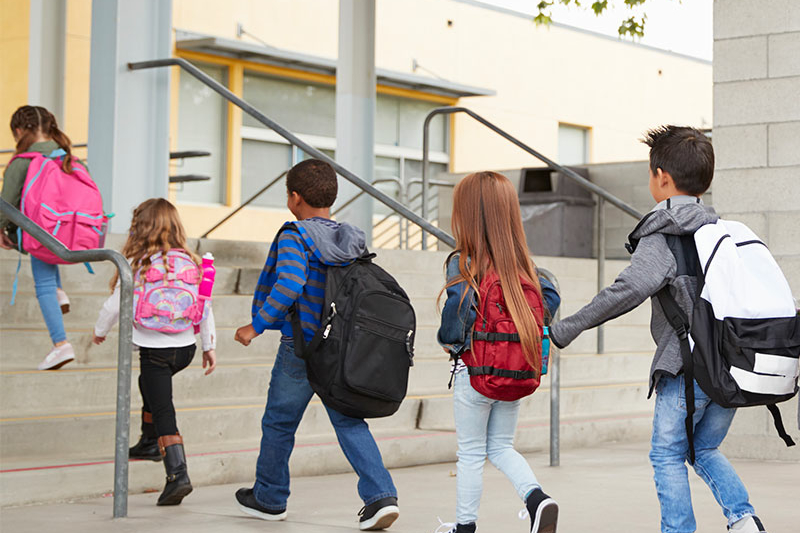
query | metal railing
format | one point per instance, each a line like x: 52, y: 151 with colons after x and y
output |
x: 125, y: 343
x: 296, y: 141
x: 602, y: 195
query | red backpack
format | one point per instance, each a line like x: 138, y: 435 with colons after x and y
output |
x: 497, y: 367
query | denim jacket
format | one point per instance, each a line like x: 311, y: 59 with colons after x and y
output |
x: 458, y: 318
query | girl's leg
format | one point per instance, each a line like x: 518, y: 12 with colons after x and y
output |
x: 500, y: 448
x: 156, y: 385
x: 46, y: 280
x: 471, y: 410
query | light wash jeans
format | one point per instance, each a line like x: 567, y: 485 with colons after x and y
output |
x: 288, y: 395
x: 485, y: 428
x: 47, y: 279
x: 669, y: 454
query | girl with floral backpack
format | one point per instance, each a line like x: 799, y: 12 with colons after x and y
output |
x: 492, y: 327
x: 171, y: 303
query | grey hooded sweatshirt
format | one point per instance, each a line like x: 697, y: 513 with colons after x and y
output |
x: 653, y: 265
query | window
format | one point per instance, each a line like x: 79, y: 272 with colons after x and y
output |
x: 202, y: 125
x: 310, y: 110
x: 573, y: 145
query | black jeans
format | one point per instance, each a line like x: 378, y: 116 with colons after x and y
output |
x: 158, y: 365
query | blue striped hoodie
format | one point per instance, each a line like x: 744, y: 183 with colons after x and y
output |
x: 296, y: 269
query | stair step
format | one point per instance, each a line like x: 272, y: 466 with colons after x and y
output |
x: 59, y: 478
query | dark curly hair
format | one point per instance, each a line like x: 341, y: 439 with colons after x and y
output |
x: 314, y: 181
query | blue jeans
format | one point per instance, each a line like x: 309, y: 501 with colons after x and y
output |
x: 485, y: 428
x: 47, y: 279
x: 669, y: 453
x: 287, y: 398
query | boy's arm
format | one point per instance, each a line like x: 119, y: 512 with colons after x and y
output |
x: 652, y: 265
x: 292, y: 270
x: 552, y: 301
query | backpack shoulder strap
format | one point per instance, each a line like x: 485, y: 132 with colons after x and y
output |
x: 680, y: 322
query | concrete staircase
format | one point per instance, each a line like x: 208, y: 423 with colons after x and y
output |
x: 57, y: 428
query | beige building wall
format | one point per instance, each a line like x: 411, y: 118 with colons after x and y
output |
x: 757, y: 145
x: 14, y: 30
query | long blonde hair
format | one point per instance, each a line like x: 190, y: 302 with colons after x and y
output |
x: 155, y: 227
x: 487, y: 226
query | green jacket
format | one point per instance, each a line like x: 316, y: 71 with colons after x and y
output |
x: 14, y: 179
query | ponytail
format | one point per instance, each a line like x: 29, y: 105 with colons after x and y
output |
x: 36, y: 119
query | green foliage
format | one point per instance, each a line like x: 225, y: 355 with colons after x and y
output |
x: 633, y: 26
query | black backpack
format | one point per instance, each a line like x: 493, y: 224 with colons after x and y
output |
x: 359, y: 359
x: 745, y: 329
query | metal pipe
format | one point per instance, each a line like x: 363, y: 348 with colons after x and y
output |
x: 293, y: 139
x: 601, y: 264
x: 245, y: 204
x: 125, y: 343
x: 571, y: 174
x: 554, y: 368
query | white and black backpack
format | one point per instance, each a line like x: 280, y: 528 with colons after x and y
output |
x: 744, y: 341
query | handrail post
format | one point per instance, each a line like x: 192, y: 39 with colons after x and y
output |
x: 553, y: 368
x: 601, y: 263
x: 125, y: 345
x: 426, y: 164
x: 123, y: 423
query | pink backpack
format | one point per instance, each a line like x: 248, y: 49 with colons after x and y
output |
x: 166, y: 297
x: 68, y: 206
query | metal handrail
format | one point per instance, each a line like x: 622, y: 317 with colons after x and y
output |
x: 345, y: 205
x: 602, y: 195
x: 296, y: 141
x: 246, y: 203
x: 125, y: 343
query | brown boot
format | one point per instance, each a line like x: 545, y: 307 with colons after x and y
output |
x: 178, y: 484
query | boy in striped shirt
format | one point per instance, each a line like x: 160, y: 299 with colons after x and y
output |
x: 294, y: 274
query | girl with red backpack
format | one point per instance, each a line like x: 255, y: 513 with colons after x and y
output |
x: 36, y: 132
x: 492, y: 325
x: 171, y: 304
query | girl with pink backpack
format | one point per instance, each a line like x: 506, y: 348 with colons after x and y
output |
x: 43, y: 151
x: 172, y: 302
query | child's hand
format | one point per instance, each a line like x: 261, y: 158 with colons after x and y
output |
x: 98, y: 340
x: 245, y: 334
x: 5, y: 241
x: 210, y: 360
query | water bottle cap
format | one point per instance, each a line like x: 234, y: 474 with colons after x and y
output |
x: 208, y: 255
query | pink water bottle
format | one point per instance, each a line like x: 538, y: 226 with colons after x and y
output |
x: 206, y: 284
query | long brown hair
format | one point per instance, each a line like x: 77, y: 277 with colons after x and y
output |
x: 155, y: 227
x: 487, y: 226
x: 32, y: 120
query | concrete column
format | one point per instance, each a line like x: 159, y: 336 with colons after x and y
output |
x: 129, y: 111
x: 355, y: 106
x: 46, y: 55
x: 756, y: 132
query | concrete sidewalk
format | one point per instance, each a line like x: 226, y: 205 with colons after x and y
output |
x: 602, y: 490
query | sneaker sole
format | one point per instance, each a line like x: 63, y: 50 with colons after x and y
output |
x: 384, y: 518
x: 546, y: 517
x: 59, y: 364
x: 263, y: 516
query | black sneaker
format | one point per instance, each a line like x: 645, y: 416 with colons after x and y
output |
x: 378, y: 515
x: 543, y: 511
x: 249, y: 505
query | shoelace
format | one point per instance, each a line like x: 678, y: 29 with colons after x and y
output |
x: 524, y: 514
x: 445, y: 527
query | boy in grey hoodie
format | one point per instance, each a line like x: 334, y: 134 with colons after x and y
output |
x: 294, y: 274
x: 681, y: 170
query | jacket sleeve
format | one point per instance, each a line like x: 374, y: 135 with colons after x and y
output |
x: 652, y: 265
x: 109, y: 314
x: 458, y: 316
x: 13, y: 181
x: 292, y: 271
x: 552, y: 300
x: 208, y: 330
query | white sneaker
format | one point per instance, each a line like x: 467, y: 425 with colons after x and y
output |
x: 58, y: 357
x: 63, y: 301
